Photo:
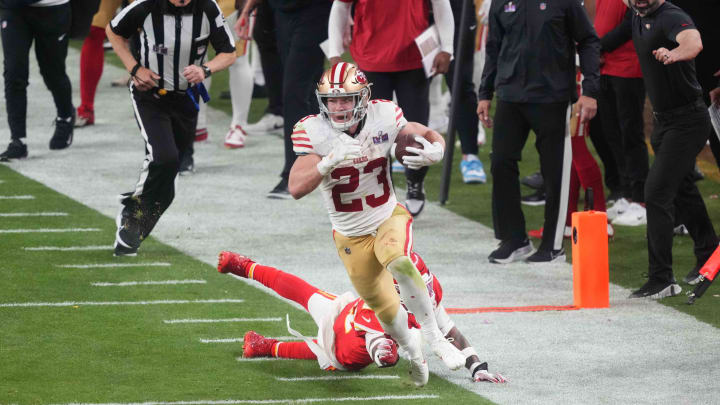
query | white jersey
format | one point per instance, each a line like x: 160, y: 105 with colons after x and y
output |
x: 358, y: 195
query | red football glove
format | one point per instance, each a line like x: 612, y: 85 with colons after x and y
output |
x: 386, y: 353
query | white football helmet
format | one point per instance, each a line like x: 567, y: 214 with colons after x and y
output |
x: 343, y: 80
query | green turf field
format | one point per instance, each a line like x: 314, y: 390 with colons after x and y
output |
x: 65, y: 340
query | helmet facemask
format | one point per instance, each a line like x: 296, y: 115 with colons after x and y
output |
x: 352, y: 115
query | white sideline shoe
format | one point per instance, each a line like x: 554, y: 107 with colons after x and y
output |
x: 620, y: 206
x: 635, y: 215
x: 235, y: 138
x: 269, y: 123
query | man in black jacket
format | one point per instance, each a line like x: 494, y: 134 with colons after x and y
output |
x: 667, y: 43
x: 530, y: 63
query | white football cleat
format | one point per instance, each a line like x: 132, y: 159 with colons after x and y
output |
x: 449, y: 354
x: 635, y: 215
x: 235, y: 138
x: 620, y: 206
x: 268, y: 123
x: 419, y: 372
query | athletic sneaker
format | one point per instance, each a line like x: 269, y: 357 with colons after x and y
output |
x: 472, y: 170
x: 617, y: 209
x: 201, y: 134
x: 280, y: 192
x: 15, y: 150
x: 656, y: 290
x: 534, y: 181
x: 634, y: 215
x: 415, y: 197
x: 257, y: 345
x: 235, y: 138
x: 693, y: 277
x: 187, y: 165
x: 547, y: 256
x: 268, y: 123
x: 84, y: 117
x: 680, y: 230
x: 512, y: 250
x: 128, y: 236
x: 397, y: 167
x: 230, y: 262
x: 63, y: 136
x: 419, y: 372
x: 535, y: 199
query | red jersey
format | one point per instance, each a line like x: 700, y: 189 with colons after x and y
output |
x: 383, y: 37
x: 623, y: 61
x: 351, y: 326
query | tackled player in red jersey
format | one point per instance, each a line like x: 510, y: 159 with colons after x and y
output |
x: 350, y: 337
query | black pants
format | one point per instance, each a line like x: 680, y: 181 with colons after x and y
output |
x: 676, y: 140
x: 299, y: 34
x: 48, y: 27
x: 602, y: 147
x: 466, y: 119
x: 167, y: 123
x: 264, y: 34
x: 621, y: 103
x: 513, y: 122
x: 413, y: 95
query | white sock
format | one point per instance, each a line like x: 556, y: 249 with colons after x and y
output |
x: 258, y: 76
x: 241, y: 86
x: 414, y: 295
x: 399, y: 331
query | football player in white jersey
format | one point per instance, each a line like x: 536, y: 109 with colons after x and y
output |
x: 345, y: 151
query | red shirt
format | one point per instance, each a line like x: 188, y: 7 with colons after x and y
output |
x: 383, y: 37
x: 623, y: 61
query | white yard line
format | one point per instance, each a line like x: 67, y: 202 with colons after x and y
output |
x: 17, y: 197
x: 68, y: 248
x: 33, y: 214
x: 94, y: 303
x: 107, y: 265
x: 244, y: 359
x: 240, y: 340
x: 223, y: 320
x: 271, y: 401
x: 49, y: 230
x: 341, y: 377
x: 134, y: 283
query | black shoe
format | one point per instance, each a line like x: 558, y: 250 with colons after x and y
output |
x: 656, y: 290
x: 693, y: 277
x: 280, y: 192
x: 259, y: 91
x: 187, y: 165
x: 225, y: 95
x: 63, y: 136
x: 16, y: 150
x: 415, y: 197
x: 534, y: 180
x: 535, y: 199
x: 128, y: 236
x: 512, y: 250
x: 547, y: 256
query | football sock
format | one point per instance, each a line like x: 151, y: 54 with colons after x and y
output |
x: 292, y: 350
x: 241, y: 87
x: 91, y: 67
x: 400, y: 331
x: 285, y: 284
x: 414, y: 295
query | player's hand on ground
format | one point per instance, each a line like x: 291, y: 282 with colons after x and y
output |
x: 386, y: 354
x: 586, y: 108
x: 482, y: 375
x: 145, y: 79
x: 345, y: 148
x: 193, y: 74
x: 483, y: 112
x: 431, y: 153
x: 441, y: 63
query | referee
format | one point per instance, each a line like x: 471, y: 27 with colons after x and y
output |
x: 667, y: 43
x: 174, y: 35
x: 530, y: 63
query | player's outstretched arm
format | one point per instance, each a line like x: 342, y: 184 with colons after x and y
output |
x: 478, y: 371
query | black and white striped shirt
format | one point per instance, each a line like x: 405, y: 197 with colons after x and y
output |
x: 172, y: 38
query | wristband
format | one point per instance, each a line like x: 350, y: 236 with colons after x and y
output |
x: 323, y: 166
x: 134, y: 70
x: 468, y: 352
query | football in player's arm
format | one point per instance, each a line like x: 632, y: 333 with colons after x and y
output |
x: 350, y: 336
